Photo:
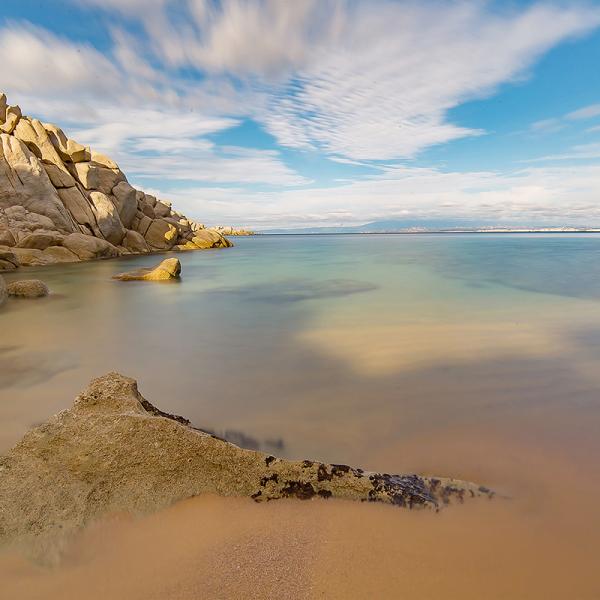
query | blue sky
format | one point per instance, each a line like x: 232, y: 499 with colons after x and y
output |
x: 271, y: 113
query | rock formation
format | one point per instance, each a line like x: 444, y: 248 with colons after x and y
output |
x: 168, y: 269
x: 28, y: 288
x: 233, y: 231
x: 114, y: 452
x: 63, y: 202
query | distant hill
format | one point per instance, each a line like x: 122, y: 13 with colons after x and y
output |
x: 429, y: 225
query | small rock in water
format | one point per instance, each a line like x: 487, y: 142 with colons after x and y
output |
x: 166, y: 270
x: 28, y: 288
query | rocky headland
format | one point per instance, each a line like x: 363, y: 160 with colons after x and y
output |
x: 61, y: 202
x: 114, y: 452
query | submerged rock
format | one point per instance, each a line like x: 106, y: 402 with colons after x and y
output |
x: 28, y: 288
x: 169, y: 268
x: 114, y: 452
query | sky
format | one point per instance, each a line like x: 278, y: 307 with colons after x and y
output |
x: 281, y: 113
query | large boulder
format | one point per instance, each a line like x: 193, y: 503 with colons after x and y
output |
x: 107, y: 218
x: 162, y: 209
x: 28, y: 288
x: 126, y: 202
x: 7, y: 238
x: 114, y: 452
x: 32, y: 133
x: 209, y: 238
x: 68, y: 150
x: 103, y: 160
x: 168, y: 269
x: 31, y: 257
x: 161, y: 235
x: 143, y: 225
x: 94, y: 176
x: 41, y: 240
x: 12, y: 116
x: 59, y: 254
x: 25, y: 183
x: 135, y: 242
x: 87, y: 247
x: 80, y: 208
x: 60, y: 178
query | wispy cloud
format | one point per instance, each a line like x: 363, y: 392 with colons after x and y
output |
x: 587, y: 112
x: 356, y: 82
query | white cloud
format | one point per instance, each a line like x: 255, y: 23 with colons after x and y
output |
x: 364, y: 79
x: 549, y: 195
x: 587, y: 112
x: 33, y: 58
x: 355, y: 81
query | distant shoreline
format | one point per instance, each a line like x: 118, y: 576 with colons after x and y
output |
x: 432, y: 232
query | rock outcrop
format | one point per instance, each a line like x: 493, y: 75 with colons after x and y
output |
x: 53, y: 188
x: 114, y: 452
x: 228, y: 230
x: 167, y: 270
x: 28, y: 288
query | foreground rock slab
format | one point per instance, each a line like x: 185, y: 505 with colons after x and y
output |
x: 28, y: 288
x: 168, y: 269
x: 114, y: 452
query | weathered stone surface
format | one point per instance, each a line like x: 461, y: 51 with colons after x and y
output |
x: 68, y: 150
x: 126, y: 202
x: 60, y: 178
x: 103, y: 160
x: 209, y: 238
x: 28, y: 288
x: 114, y: 452
x: 32, y: 133
x: 24, y: 182
x: 29, y: 257
x: 8, y: 260
x: 59, y: 254
x: 11, y: 119
x: 107, y: 218
x: 94, y: 176
x: 135, y: 242
x: 144, y: 225
x: 168, y: 269
x: 161, y: 235
x: 7, y: 238
x: 87, y: 247
x: 41, y: 241
x: 80, y: 208
x: 162, y: 209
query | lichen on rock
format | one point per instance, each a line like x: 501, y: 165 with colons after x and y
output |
x: 168, y: 269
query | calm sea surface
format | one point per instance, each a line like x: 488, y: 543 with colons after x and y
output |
x: 475, y: 356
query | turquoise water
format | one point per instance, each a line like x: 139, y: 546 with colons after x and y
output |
x: 333, y: 347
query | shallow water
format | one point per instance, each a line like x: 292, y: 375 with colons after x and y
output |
x: 475, y: 356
